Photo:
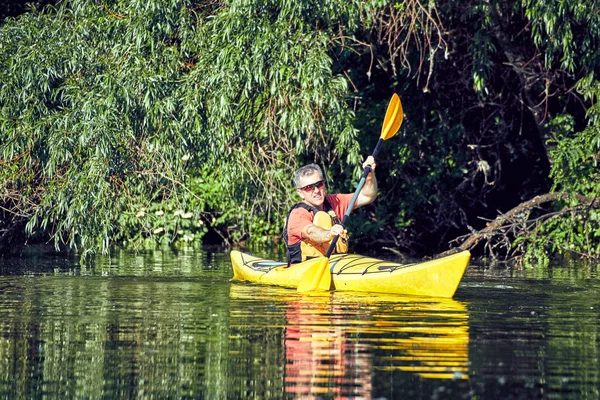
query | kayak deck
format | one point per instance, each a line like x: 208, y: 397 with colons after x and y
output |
x: 352, y: 272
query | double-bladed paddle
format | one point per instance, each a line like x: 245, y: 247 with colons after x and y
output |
x: 318, y: 276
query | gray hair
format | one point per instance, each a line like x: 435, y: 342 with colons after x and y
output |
x: 306, y: 171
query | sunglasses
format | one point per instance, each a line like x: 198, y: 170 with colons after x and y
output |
x: 312, y: 186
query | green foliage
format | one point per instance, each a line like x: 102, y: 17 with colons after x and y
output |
x: 162, y: 121
x: 567, y: 30
x: 576, y: 162
x: 93, y: 116
x: 121, y: 108
x: 271, y: 102
x: 418, y: 171
x: 482, y: 48
x: 426, y: 168
x: 572, y: 227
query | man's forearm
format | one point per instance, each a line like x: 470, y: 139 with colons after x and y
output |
x: 368, y: 193
x: 318, y: 234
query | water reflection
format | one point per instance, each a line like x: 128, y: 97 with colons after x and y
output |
x: 143, y: 325
x: 172, y: 325
x: 334, y: 344
x: 320, y: 355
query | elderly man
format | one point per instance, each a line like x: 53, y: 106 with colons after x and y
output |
x: 308, y: 231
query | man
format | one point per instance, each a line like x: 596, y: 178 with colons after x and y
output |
x: 302, y: 236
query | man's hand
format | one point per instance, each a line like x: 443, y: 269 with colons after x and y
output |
x: 338, y: 230
x: 370, y: 161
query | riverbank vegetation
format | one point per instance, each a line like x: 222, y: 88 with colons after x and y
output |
x: 181, y: 122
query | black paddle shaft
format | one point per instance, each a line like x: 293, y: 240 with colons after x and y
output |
x: 361, y: 183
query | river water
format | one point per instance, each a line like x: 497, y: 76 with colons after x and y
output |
x: 171, y: 325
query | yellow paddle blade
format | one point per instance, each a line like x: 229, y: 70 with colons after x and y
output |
x: 316, y: 277
x: 324, y: 284
x: 393, y: 118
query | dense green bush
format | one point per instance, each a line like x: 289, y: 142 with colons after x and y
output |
x: 116, y: 107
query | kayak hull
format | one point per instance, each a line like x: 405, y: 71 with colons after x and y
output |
x: 353, y: 272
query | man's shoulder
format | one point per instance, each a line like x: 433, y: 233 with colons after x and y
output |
x: 300, y: 209
x: 303, y: 207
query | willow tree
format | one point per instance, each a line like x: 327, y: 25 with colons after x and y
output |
x: 89, y: 117
x: 139, y: 118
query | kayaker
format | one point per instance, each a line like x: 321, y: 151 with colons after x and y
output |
x: 303, y: 238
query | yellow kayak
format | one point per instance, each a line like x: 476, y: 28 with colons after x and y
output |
x: 353, y: 272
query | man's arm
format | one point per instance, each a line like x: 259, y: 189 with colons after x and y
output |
x: 301, y: 227
x: 317, y: 234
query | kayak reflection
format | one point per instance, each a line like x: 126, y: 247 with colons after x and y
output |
x: 333, y: 342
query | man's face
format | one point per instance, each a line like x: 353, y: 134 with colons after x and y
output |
x: 312, y: 189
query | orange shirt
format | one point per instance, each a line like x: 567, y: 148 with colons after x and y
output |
x: 300, y: 217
